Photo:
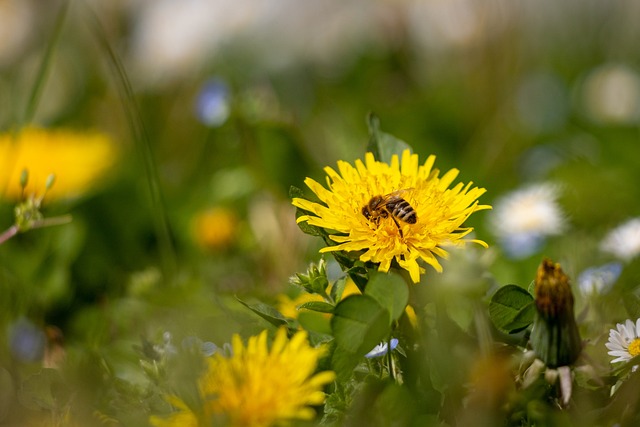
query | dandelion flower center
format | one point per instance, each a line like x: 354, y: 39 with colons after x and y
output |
x: 634, y: 347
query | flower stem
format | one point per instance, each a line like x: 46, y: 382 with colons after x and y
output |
x: 49, y: 222
x: 8, y: 233
x: 391, y: 366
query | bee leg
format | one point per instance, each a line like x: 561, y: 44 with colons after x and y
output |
x: 398, y: 225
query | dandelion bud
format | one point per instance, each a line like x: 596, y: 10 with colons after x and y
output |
x: 51, y: 179
x: 315, y: 281
x: 555, y: 337
x: 24, y: 178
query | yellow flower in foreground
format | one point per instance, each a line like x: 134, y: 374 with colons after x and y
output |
x: 440, y: 211
x: 76, y: 159
x: 256, y: 386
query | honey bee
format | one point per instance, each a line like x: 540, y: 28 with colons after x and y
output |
x: 390, y: 205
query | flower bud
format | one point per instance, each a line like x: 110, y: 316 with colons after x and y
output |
x: 315, y: 281
x: 555, y: 337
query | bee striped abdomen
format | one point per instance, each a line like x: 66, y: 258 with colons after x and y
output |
x: 391, y: 205
x: 402, y: 210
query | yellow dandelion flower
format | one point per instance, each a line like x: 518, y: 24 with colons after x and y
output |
x: 214, y: 228
x: 256, y: 387
x: 385, y: 237
x: 76, y: 159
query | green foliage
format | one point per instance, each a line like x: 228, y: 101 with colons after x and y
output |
x: 319, y: 306
x: 390, y: 290
x: 359, y: 323
x: 511, y: 309
x: 267, y: 312
x: 381, y: 144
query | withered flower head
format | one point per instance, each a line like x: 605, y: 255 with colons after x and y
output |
x: 555, y: 337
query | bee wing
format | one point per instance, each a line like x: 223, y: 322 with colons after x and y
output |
x: 396, y: 195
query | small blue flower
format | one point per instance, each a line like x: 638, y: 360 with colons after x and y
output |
x: 206, y: 348
x: 381, y: 349
x: 599, y: 279
x: 212, y: 105
x: 26, y: 341
x: 209, y: 349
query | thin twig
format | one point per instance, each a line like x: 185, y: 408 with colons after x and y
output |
x: 8, y: 233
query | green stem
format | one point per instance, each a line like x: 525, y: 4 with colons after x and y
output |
x: 43, y: 70
x: 50, y: 222
x: 143, y: 144
x: 390, y: 364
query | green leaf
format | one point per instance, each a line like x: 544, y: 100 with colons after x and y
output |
x: 295, y: 192
x: 319, y: 306
x: 359, y: 274
x: 306, y: 228
x: 359, y: 323
x: 390, y: 291
x: 632, y: 305
x: 343, y: 362
x: 267, y: 312
x: 383, y: 145
x: 511, y: 309
x: 316, y: 322
x: 338, y: 288
x: 532, y: 288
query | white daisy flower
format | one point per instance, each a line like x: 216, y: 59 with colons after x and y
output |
x: 624, y: 343
x: 624, y: 240
x: 523, y: 218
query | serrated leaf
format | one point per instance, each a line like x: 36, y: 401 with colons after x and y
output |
x: 295, y: 192
x: 381, y: 144
x: 511, y: 309
x: 305, y: 227
x: 267, y: 312
x: 318, y: 306
x: 390, y: 291
x: 359, y: 323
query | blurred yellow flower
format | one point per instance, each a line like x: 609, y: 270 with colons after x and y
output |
x: 288, y: 306
x: 439, y: 211
x: 76, y: 159
x: 255, y: 386
x: 214, y: 228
